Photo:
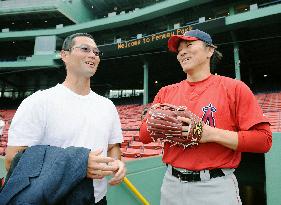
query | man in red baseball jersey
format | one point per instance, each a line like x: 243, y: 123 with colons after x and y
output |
x: 234, y: 123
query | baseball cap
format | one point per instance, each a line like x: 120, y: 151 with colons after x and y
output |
x: 192, y: 35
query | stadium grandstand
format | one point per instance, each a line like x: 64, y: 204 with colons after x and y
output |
x: 133, y: 36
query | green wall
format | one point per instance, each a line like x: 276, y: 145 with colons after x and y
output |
x: 146, y: 175
x: 273, y: 171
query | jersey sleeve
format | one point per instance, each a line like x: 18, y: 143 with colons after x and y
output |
x: 28, y: 124
x: 258, y: 139
x: 144, y: 134
x: 116, y: 132
x: 248, y: 111
x: 254, y: 133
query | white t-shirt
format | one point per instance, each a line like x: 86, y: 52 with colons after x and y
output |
x: 60, y: 117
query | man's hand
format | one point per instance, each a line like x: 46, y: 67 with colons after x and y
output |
x: 100, y: 166
x: 225, y: 138
x: 185, y: 129
x: 119, y: 174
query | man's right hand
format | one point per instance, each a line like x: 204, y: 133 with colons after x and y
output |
x: 99, y: 166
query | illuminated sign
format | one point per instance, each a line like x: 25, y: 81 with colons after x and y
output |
x: 153, y: 38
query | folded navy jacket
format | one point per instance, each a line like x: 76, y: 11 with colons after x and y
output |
x: 49, y: 175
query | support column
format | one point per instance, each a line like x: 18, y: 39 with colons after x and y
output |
x: 237, y: 61
x: 236, y: 57
x: 145, y: 83
x: 3, y: 89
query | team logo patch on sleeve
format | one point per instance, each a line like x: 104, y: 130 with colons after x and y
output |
x: 208, y: 116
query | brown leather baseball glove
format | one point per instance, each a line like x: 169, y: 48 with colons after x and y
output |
x: 162, y: 124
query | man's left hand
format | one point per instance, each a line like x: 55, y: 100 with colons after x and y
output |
x: 119, y: 174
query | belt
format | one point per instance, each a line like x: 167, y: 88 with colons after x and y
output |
x: 194, y: 176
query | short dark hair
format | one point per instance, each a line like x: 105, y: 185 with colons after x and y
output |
x: 215, y: 59
x: 69, y: 40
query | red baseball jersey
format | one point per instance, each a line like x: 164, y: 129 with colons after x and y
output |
x: 221, y: 102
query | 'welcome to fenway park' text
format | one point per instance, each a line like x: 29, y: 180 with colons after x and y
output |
x: 153, y: 38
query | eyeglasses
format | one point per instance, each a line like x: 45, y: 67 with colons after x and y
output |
x: 88, y: 49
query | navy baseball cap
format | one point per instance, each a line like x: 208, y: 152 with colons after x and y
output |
x: 192, y: 35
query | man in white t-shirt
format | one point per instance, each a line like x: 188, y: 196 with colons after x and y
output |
x: 71, y: 114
